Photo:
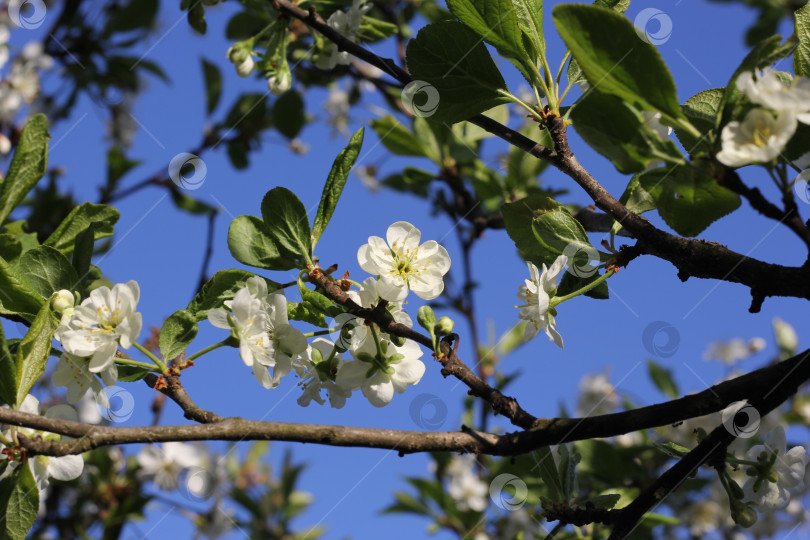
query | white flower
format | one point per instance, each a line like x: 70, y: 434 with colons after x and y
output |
x: 73, y: 372
x: 760, y: 137
x: 466, y: 489
x: 652, y: 120
x: 337, y: 110
x: 596, y: 396
x: 347, y: 24
x: 259, y: 321
x: 103, y: 321
x: 702, y: 517
x: 5, y: 144
x: 245, y: 68
x: 367, y: 296
x: 776, y: 472
x: 403, y: 264
x: 280, y: 82
x: 164, y: 464
x: 536, y: 295
x: 731, y: 352
x: 317, y: 368
x: 379, y: 378
x: 764, y: 88
x: 786, y: 337
x: 46, y: 467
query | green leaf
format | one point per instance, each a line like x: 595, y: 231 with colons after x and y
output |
x: 603, y: 502
x: 178, y: 331
x: 764, y: 53
x: 131, y: 16
x: 306, y: 312
x: 46, y: 270
x: 317, y: 301
x: 222, y: 286
x: 373, y: 29
x: 611, y: 54
x: 619, y: 133
x: 547, y: 469
x: 19, y: 498
x: 213, y: 85
x: 286, y: 220
x: 187, y: 203
x: 398, y: 139
x: 619, y: 6
x: 687, y: 198
x: 451, y: 58
x: 571, y: 282
x: 703, y: 110
x: 33, y: 352
x: 530, y: 20
x: 411, y: 180
x: 335, y: 182
x: 801, y: 56
x: 8, y: 373
x: 28, y: 165
x: 117, y: 166
x: 250, y: 242
x: 132, y: 373
x: 18, y: 297
x: 495, y: 21
x: 288, y: 114
x: 78, y: 220
x: 196, y: 17
x: 83, y: 252
x: 662, y: 378
x: 636, y: 198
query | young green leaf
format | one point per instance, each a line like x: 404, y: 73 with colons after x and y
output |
x: 547, y: 469
x: 18, y: 297
x: 703, y: 110
x: 335, y: 182
x: 662, y: 378
x: 8, y: 373
x: 213, y: 85
x: 610, y: 53
x: 46, y: 270
x: 495, y: 21
x: 530, y: 20
x: 250, y: 243
x: 28, y: 165
x: 451, y: 58
x: 286, y: 220
x: 19, y: 498
x: 687, y: 198
x: 222, y: 286
x: 178, y: 331
x: 619, y: 133
x: 398, y: 139
x: 78, y: 220
x: 801, y: 56
x: 33, y: 352
x: 83, y: 251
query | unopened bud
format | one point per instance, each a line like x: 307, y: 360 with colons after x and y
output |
x: 62, y: 300
x: 399, y: 341
x: 279, y: 83
x: 244, y: 69
x: 743, y: 515
x: 445, y: 326
x: 426, y: 318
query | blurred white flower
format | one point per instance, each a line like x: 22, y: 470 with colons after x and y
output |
x: 786, y: 338
x: 165, y: 463
x: 732, y: 351
x: 5, y: 144
x: 337, y: 110
x: 346, y: 23
x: 760, y: 137
x: 776, y: 472
x: 702, y: 517
x: 466, y: 489
x: 596, y: 396
x: 764, y: 88
x: 402, y: 264
x: 536, y: 295
x: 103, y: 321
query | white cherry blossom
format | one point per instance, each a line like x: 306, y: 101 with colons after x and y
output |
x: 403, y: 265
x: 163, y: 464
x: 536, y: 295
x: 764, y: 88
x: 347, y: 24
x: 760, y: 137
x: 768, y: 484
x: 317, y: 368
x: 73, y: 372
x: 103, y: 321
x: 465, y: 487
x: 367, y: 296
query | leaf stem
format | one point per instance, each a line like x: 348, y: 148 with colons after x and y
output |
x: 134, y: 363
x: 151, y: 356
x: 560, y: 299
x: 223, y: 343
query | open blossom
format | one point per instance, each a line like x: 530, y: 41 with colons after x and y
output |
x: 536, y: 295
x: 346, y: 23
x: 760, y: 137
x: 403, y: 264
x: 259, y: 321
x: 596, y: 395
x: 466, y: 489
x: 368, y: 297
x: 163, y: 464
x: 103, y: 321
x: 317, y: 368
x: 46, y: 467
x: 768, y: 483
x: 731, y: 352
x: 378, y: 378
x: 74, y: 373
x: 764, y: 88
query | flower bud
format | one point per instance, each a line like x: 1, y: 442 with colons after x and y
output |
x: 785, y: 337
x: 743, y: 515
x: 426, y: 318
x: 399, y: 341
x: 244, y: 69
x: 62, y: 300
x: 316, y: 355
x: 280, y: 82
x: 445, y: 326
x: 5, y: 144
x: 238, y: 53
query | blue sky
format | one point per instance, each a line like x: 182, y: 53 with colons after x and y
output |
x: 162, y: 248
